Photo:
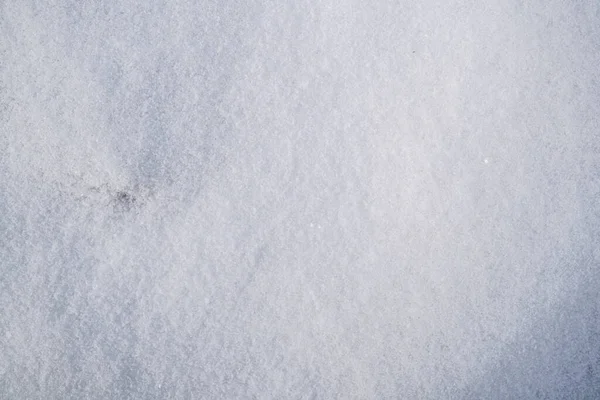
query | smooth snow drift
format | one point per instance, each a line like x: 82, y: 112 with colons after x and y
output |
x: 254, y: 199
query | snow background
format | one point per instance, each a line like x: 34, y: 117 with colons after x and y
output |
x: 254, y: 199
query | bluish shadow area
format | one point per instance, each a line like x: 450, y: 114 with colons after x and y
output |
x: 559, y: 358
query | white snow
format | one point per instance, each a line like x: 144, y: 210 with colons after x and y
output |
x: 303, y: 200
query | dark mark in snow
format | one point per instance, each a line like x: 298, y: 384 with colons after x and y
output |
x: 123, y: 201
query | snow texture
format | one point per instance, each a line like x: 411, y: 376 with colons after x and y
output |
x: 299, y: 200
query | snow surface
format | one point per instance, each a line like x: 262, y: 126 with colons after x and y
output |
x: 299, y: 200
